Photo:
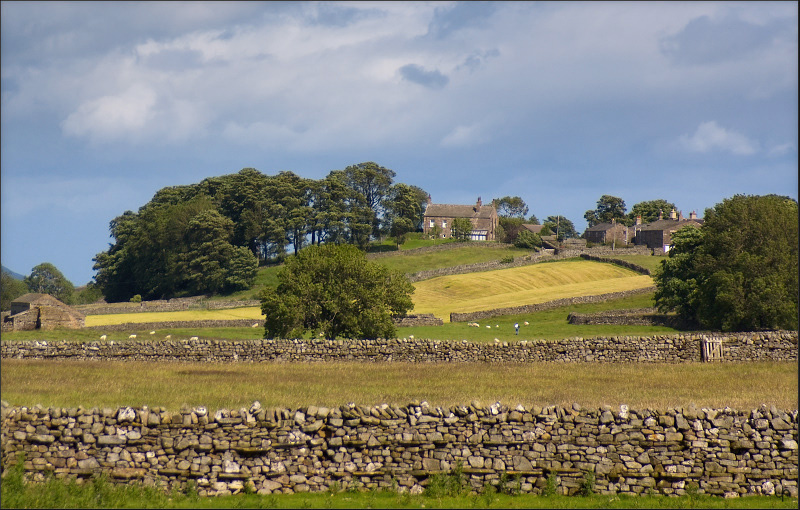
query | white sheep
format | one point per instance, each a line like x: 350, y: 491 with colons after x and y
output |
x: 131, y: 337
x: 168, y: 337
x: 488, y: 327
x: 152, y: 332
x: 526, y: 323
x: 254, y: 325
x: 103, y: 337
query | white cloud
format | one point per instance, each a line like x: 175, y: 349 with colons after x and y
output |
x: 113, y: 116
x: 463, y: 136
x: 709, y: 136
x: 782, y: 149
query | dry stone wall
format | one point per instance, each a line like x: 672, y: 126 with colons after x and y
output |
x: 170, y: 305
x: 626, y: 451
x: 668, y: 348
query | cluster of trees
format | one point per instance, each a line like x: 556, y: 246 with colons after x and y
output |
x: 210, y: 237
x: 610, y: 208
x: 45, y: 278
x: 511, y: 212
x: 334, y: 291
x: 739, y: 272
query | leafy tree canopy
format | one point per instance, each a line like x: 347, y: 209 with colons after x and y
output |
x: 461, y: 229
x: 334, y: 290
x: 739, y: 272
x: 563, y: 227
x: 511, y: 207
x: 650, y: 210
x: 608, y: 208
x: 10, y: 289
x: 527, y: 240
x: 47, y: 279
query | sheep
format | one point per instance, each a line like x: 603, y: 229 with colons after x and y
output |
x: 254, y: 325
x: 411, y: 337
x: 103, y: 337
x: 488, y: 327
x: 152, y: 332
x: 168, y: 337
x: 526, y: 323
x: 131, y: 337
x: 193, y: 338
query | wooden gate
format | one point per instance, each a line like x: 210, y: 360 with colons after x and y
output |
x: 712, y: 349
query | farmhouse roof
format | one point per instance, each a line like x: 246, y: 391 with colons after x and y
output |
x: 460, y: 211
x: 536, y: 229
x: 670, y: 224
x: 602, y: 227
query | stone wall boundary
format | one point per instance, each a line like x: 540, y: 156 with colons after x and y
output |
x: 668, y: 348
x: 722, y: 452
x: 171, y: 305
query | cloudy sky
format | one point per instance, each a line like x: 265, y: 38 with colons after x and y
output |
x: 558, y: 103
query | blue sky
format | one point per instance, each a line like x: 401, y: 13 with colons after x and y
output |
x: 556, y: 102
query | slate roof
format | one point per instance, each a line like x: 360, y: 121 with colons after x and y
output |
x: 536, y: 229
x: 459, y: 211
x: 602, y: 227
x: 670, y: 224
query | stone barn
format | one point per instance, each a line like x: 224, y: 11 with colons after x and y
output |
x: 41, y: 311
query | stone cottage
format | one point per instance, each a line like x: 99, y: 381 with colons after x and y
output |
x: 41, y: 311
x: 658, y: 234
x: 609, y: 233
x: 483, y: 218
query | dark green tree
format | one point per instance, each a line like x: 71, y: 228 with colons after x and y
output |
x: 608, y: 208
x: 533, y: 220
x: 461, y: 229
x: 372, y: 183
x: 47, y: 279
x: 403, y: 210
x: 742, y: 272
x: 649, y: 210
x: 563, y: 227
x: 335, y: 290
x: 527, y: 240
x: 10, y: 289
x: 511, y: 207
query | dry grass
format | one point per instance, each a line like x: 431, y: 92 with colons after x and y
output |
x: 74, y: 383
x: 522, y: 286
x: 248, y: 312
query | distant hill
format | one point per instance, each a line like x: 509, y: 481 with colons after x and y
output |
x: 14, y: 275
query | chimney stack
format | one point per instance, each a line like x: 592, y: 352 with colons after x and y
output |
x: 479, y: 202
x: 639, y: 220
x: 672, y: 214
x: 692, y: 215
x: 429, y: 199
x: 660, y: 214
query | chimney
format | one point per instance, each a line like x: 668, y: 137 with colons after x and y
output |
x: 479, y: 202
x: 429, y: 199
x: 680, y: 215
x: 672, y: 214
x: 660, y: 214
x: 692, y: 215
x: 639, y: 220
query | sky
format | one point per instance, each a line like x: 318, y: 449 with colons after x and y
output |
x: 559, y: 103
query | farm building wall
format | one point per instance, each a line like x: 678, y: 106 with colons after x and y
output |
x: 626, y: 451
x: 667, y: 348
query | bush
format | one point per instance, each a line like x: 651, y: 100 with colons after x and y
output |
x: 137, y: 298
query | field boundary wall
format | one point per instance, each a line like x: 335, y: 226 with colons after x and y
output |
x: 667, y: 348
x: 672, y: 451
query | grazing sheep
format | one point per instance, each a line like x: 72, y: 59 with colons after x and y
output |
x: 103, y: 337
x: 152, y: 332
x: 488, y: 327
x: 131, y: 337
x: 497, y: 325
x: 526, y: 323
x: 254, y: 325
x: 194, y: 338
x: 168, y: 337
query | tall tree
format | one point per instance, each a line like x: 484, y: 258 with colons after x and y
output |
x: 461, y: 229
x: 511, y: 207
x: 649, y: 210
x: 335, y: 290
x: 608, y: 208
x: 562, y: 226
x: 404, y: 210
x: 10, y: 289
x: 372, y: 182
x: 47, y: 279
x: 742, y: 272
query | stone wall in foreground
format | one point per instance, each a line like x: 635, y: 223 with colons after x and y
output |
x: 668, y: 348
x: 626, y: 451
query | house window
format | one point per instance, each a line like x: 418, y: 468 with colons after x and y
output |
x: 432, y: 224
x: 444, y: 223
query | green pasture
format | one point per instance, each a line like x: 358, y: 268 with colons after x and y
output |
x: 234, y: 385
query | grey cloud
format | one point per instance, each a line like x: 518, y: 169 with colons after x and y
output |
x: 339, y: 16
x: 476, y: 59
x: 417, y: 74
x: 447, y: 20
x: 703, y: 41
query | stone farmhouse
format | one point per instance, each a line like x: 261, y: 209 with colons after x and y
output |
x: 609, y: 233
x: 658, y: 234
x: 483, y: 218
x: 41, y: 311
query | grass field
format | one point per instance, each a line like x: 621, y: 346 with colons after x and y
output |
x: 523, y: 285
x: 249, y: 312
x: 233, y: 385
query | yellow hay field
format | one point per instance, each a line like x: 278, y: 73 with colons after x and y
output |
x: 525, y: 285
x: 249, y: 312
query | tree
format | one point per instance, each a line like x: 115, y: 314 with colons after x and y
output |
x: 335, y: 290
x: 563, y: 227
x: 461, y: 229
x: 403, y: 210
x: 511, y: 207
x: 741, y: 272
x: 533, y: 220
x: 649, y: 210
x: 372, y: 182
x: 10, y: 289
x: 527, y: 240
x: 608, y: 208
x: 47, y: 279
